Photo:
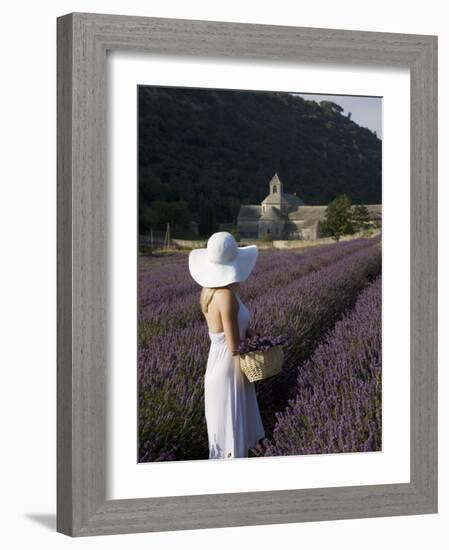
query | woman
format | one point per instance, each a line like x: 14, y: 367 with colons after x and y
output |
x: 232, y: 413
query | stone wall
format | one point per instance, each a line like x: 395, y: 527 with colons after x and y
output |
x: 283, y: 245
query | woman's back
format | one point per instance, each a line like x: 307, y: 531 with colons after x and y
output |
x: 215, y: 325
x: 223, y: 301
x: 213, y: 314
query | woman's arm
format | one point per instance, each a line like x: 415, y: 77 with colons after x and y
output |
x: 228, y: 306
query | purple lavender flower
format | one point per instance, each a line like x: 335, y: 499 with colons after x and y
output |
x: 299, y: 295
x: 261, y: 343
x: 343, y: 412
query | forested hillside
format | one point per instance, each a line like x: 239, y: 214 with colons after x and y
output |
x: 204, y: 152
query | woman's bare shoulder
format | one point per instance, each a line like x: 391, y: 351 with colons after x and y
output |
x: 225, y: 297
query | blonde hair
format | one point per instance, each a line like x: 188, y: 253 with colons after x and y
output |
x: 208, y: 293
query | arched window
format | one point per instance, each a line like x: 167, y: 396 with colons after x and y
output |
x: 274, y: 188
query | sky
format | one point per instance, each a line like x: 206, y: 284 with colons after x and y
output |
x: 365, y: 110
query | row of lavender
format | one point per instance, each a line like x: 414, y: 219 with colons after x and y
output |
x: 168, y: 297
x: 161, y: 279
x: 171, y: 364
x: 304, y: 311
x: 338, y: 402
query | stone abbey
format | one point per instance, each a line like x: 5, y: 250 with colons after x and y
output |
x: 285, y: 216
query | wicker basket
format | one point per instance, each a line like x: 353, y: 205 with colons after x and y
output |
x: 258, y: 365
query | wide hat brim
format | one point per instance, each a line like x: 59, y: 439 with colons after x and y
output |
x: 209, y: 274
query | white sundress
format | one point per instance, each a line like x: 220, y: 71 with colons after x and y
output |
x: 231, y: 408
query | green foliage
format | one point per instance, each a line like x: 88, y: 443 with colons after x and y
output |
x: 159, y: 212
x: 338, y: 219
x: 207, y: 223
x: 369, y: 232
x: 331, y: 107
x: 360, y: 217
x: 266, y: 237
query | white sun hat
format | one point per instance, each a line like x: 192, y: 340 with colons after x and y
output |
x: 222, y: 262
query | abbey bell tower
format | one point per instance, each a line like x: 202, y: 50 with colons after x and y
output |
x: 275, y: 185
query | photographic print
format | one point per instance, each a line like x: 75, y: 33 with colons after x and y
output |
x: 259, y: 274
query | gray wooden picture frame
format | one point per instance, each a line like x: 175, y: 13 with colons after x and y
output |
x: 82, y: 42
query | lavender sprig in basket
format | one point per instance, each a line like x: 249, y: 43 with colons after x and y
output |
x: 261, y: 356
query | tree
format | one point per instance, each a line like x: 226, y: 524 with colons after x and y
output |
x: 330, y: 106
x: 337, y: 220
x: 158, y: 213
x: 266, y: 237
x: 360, y: 217
x: 207, y: 223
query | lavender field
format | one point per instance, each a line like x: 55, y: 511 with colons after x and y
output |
x: 326, y: 301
